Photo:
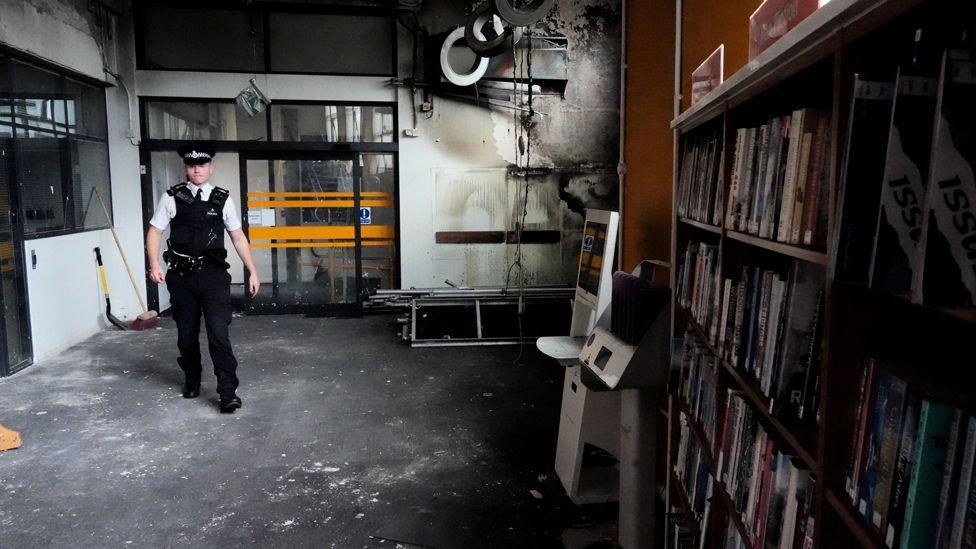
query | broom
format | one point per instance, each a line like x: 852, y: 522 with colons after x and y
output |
x: 147, y: 319
x: 108, y: 302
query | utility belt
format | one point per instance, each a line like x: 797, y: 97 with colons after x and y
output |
x: 184, y: 263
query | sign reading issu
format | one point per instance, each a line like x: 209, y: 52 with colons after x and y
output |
x: 953, y: 196
x: 903, y: 196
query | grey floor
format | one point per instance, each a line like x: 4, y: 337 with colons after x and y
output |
x: 347, y: 438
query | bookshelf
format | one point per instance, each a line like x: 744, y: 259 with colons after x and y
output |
x: 916, y: 342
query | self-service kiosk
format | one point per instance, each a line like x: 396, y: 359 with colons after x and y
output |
x: 620, y: 334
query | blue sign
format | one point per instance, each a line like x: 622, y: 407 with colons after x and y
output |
x: 588, y: 243
x: 365, y: 215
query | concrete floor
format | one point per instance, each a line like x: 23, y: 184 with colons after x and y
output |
x: 347, y: 438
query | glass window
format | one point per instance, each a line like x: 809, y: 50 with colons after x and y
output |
x: 332, y: 123
x: 203, y: 120
x: 201, y: 39
x: 40, y: 178
x: 57, y: 130
x: 89, y: 171
x: 331, y: 44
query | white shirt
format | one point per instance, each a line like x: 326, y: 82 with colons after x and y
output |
x: 166, y: 209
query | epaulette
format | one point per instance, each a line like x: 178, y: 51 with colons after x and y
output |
x: 218, y: 196
x: 181, y: 193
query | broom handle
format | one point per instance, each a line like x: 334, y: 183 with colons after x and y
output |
x: 111, y: 226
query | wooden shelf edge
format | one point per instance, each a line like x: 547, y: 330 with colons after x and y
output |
x: 811, y: 39
x: 797, y: 252
x: 759, y: 401
x: 866, y: 536
x: 700, y: 225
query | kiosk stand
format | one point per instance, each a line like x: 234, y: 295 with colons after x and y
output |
x: 589, y: 421
x: 613, y: 383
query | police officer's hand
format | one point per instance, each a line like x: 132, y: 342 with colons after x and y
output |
x: 157, y: 274
x: 253, y: 284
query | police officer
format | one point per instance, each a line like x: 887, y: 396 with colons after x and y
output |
x: 197, y: 276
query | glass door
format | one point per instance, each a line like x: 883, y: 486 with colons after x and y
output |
x: 16, y: 349
x: 309, y: 219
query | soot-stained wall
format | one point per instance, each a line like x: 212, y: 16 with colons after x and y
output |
x: 457, y: 175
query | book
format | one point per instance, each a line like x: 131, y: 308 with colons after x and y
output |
x: 947, y: 494
x: 945, y: 274
x: 805, y: 285
x: 965, y: 479
x: 928, y: 464
x: 903, y: 468
x: 817, y: 183
x: 900, y: 215
x: 799, y: 195
x: 760, y: 177
x: 864, y: 390
x: 861, y: 175
x: 872, y: 448
x: 767, y: 227
x: 889, y: 449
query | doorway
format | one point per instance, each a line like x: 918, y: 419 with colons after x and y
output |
x: 322, y: 227
x: 16, y: 350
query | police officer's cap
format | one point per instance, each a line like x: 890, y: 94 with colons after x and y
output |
x: 195, y: 154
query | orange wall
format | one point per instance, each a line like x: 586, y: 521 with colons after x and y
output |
x: 649, y: 139
x: 705, y: 24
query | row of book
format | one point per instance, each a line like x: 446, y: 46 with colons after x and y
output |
x: 697, y: 482
x: 908, y: 201
x: 700, y: 185
x: 770, y: 326
x: 699, y: 268
x: 764, y: 322
x: 911, y: 465
x: 771, y: 489
x: 779, y: 184
x: 698, y: 382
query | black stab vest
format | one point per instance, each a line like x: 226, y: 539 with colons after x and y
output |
x: 198, y: 227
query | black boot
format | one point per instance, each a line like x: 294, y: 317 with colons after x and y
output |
x: 191, y: 388
x: 229, y: 404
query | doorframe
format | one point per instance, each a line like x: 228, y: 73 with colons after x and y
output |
x: 148, y: 145
x: 20, y: 264
x: 333, y: 309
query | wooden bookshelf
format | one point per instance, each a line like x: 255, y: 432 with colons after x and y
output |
x: 700, y: 225
x: 759, y: 401
x: 683, y: 504
x: 813, y: 66
x: 805, y: 254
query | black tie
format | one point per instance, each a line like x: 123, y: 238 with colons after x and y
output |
x: 199, y: 192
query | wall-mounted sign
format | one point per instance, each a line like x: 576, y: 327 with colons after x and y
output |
x: 365, y: 215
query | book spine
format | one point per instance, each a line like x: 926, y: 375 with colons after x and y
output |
x: 947, y: 493
x: 965, y: 479
x: 724, y: 317
x: 928, y: 464
x: 789, y: 182
x: 889, y: 452
x: 817, y: 180
x: 862, y: 429
x: 760, y: 177
x: 746, y: 182
x: 733, y: 205
x: 899, y: 485
x: 800, y: 199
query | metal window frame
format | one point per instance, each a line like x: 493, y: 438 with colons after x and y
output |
x: 265, y: 9
x: 271, y: 150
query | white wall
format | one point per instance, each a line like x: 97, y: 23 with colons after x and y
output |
x: 66, y: 305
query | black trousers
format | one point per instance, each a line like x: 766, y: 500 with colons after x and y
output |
x: 205, y: 291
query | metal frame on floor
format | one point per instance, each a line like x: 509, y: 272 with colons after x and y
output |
x: 414, y: 300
